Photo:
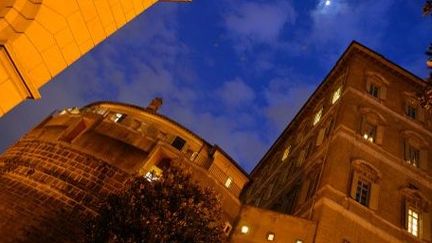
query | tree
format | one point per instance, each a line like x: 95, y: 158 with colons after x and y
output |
x: 427, y: 8
x: 171, y: 208
x: 425, y: 98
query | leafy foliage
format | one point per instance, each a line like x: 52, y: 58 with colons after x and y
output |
x: 170, y: 209
x: 427, y: 8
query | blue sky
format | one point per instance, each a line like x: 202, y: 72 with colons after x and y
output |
x: 234, y: 72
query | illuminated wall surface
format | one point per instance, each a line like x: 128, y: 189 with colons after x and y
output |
x: 356, y: 160
x: 40, y: 38
x: 354, y: 165
x: 76, y: 157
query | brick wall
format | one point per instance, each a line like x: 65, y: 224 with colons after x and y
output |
x: 47, y: 189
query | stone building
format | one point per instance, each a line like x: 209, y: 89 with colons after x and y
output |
x: 353, y: 166
x: 40, y: 38
x: 75, y: 157
x: 355, y: 161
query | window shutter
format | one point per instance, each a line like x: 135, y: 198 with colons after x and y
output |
x: 380, y: 134
x: 303, y: 192
x: 368, y: 84
x: 374, y: 196
x: 404, y: 212
x: 406, y: 150
x: 301, y: 158
x: 420, y: 113
x: 425, y: 226
x: 383, y: 94
x: 423, y: 163
x: 354, y: 183
x: 320, y: 137
x: 405, y: 107
x: 362, y: 125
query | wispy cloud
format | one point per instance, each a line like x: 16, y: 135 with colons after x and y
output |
x: 236, y: 93
x: 253, y: 23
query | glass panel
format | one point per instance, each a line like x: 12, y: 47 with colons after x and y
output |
x: 317, y: 116
x: 336, y: 95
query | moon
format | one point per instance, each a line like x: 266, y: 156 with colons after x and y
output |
x: 327, y: 3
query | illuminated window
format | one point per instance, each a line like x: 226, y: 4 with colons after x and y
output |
x: 412, y: 155
x: 363, y: 191
x: 317, y: 117
x: 411, y: 112
x: 178, y: 143
x: 374, y: 90
x: 413, y: 221
x: 228, y: 182
x: 336, y: 95
x: 286, y: 153
x: 118, y: 117
x: 299, y: 241
x: 369, y: 132
x: 270, y: 236
x: 153, y: 174
x: 244, y: 229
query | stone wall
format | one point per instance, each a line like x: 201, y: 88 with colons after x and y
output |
x: 47, y: 190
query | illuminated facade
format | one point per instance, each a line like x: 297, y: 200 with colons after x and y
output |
x: 354, y: 165
x: 40, y: 38
x: 76, y: 157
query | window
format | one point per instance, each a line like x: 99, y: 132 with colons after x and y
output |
x: 178, y: 143
x: 412, y: 155
x: 270, y: 236
x: 417, y: 211
x: 413, y: 221
x: 228, y: 182
x: 411, y: 111
x: 118, y: 117
x: 286, y: 152
x: 369, y: 132
x: 301, y: 158
x: 244, y: 229
x: 317, y: 117
x: 374, y: 90
x: 363, y: 191
x: 298, y: 241
x: 365, y: 184
x: 153, y: 174
x: 336, y: 95
x: 227, y: 228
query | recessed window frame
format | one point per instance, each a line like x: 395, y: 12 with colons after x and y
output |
x: 228, y: 182
x: 374, y: 90
x: 411, y: 111
x: 369, y: 132
x: 413, y: 221
x: 363, y: 190
x: 336, y: 95
x: 244, y: 229
x: 178, y: 143
x: 270, y: 236
x: 286, y: 153
x: 317, y: 116
x: 118, y: 117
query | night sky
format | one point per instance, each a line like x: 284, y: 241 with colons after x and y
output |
x: 234, y: 72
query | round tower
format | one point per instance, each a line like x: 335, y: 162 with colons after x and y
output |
x: 56, y: 175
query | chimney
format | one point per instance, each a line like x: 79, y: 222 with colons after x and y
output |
x: 155, y: 104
